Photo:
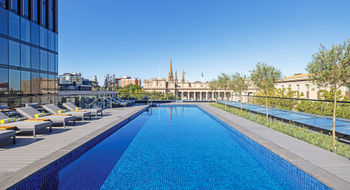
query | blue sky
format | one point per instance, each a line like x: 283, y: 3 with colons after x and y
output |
x: 138, y: 37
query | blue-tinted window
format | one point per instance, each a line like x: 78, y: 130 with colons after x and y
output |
x: 25, y: 30
x: 4, y: 23
x: 14, y: 81
x: 25, y: 56
x: 51, y: 62
x: 25, y: 82
x: 25, y: 8
x: 51, y: 40
x: 43, y: 60
x: 35, y: 83
x: 14, y: 5
x: 35, y: 58
x: 4, y: 51
x: 35, y: 34
x: 4, y: 81
x: 52, y: 20
x: 56, y: 42
x: 14, y: 52
x: 43, y: 37
x: 43, y: 83
x: 56, y: 63
x: 43, y: 13
x: 35, y: 11
x: 14, y: 25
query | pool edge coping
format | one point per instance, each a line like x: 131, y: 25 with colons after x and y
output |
x: 28, y: 171
x: 329, y: 179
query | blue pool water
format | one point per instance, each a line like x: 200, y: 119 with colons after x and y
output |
x: 181, y: 147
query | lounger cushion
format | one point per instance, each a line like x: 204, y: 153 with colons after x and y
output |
x: 9, y: 120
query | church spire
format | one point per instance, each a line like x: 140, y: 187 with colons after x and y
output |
x: 183, y: 77
x: 171, y: 76
x: 176, y: 76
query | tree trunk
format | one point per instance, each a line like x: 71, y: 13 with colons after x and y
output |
x: 240, y: 98
x: 267, y: 110
x: 334, y: 114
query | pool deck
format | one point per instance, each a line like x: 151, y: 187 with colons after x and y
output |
x: 331, y: 169
x: 28, y: 155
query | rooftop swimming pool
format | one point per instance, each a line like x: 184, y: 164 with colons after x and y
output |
x: 181, y: 147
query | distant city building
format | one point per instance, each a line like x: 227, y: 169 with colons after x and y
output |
x: 74, y: 81
x: 28, y: 51
x: 187, y: 90
x: 303, y: 84
x: 125, y: 81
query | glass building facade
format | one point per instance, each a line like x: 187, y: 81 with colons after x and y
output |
x: 28, y: 51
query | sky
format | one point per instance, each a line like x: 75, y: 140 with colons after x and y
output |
x: 138, y: 38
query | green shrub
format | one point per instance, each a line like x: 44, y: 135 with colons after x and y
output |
x: 318, y: 139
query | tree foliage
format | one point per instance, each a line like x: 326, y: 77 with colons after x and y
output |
x: 331, y: 68
x: 265, y: 78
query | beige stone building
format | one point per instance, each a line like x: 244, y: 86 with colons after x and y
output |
x: 188, y: 90
x: 303, y: 84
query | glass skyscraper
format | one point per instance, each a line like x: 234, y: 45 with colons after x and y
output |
x: 28, y: 51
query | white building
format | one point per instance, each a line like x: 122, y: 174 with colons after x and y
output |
x: 303, y: 84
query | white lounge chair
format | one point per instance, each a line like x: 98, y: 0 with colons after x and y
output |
x: 31, y: 113
x: 71, y: 107
x: 27, y: 125
x: 53, y: 109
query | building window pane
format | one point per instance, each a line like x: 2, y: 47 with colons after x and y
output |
x: 56, y: 43
x: 51, y: 84
x: 43, y: 13
x: 43, y: 37
x: 43, y: 83
x: 52, y: 20
x: 26, y: 8
x: 35, y: 58
x: 51, y: 63
x: 43, y: 60
x: 4, y: 81
x: 14, y: 25
x: 51, y: 41
x: 25, y: 30
x: 14, y: 81
x: 25, y: 82
x: 35, y: 39
x: 56, y: 63
x: 4, y: 51
x: 25, y: 56
x: 35, y: 83
x: 35, y: 10
x: 14, y: 5
x: 4, y: 21
x: 14, y: 49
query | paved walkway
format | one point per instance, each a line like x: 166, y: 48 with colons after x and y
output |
x: 27, y: 151
x: 330, y: 168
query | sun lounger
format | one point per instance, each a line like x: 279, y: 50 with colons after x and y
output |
x: 53, y: 109
x: 31, y: 113
x: 5, y: 134
x: 71, y: 107
x: 25, y: 126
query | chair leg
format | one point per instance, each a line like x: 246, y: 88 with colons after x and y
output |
x: 51, y: 129
x: 14, y: 139
x: 34, y: 134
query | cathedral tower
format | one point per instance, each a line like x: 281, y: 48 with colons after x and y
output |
x: 176, y: 76
x: 183, y: 77
x: 171, y: 76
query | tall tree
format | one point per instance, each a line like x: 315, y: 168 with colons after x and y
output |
x: 213, y: 85
x: 239, y: 85
x: 223, y: 81
x: 331, y: 68
x: 265, y: 78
